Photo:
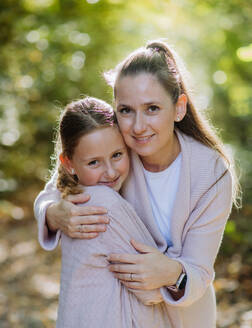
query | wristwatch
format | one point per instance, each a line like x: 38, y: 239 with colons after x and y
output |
x: 180, y: 283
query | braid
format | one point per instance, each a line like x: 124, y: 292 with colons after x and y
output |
x: 78, y: 119
x: 67, y: 184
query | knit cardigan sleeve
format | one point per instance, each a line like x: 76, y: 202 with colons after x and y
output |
x: 47, y: 239
x: 203, y: 237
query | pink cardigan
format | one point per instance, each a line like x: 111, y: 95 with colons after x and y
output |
x: 200, y: 213
x: 90, y: 296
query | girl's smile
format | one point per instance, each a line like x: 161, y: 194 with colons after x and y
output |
x: 101, y: 158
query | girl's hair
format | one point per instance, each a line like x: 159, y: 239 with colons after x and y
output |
x: 162, y: 62
x: 78, y: 119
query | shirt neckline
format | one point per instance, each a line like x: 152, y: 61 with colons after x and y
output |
x: 156, y: 174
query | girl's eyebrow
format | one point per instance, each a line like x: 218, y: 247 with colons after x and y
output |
x: 119, y: 149
x: 88, y: 159
x: 122, y: 149
x: 151, y: 103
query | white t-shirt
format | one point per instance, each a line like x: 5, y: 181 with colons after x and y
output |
x: 162, y: 188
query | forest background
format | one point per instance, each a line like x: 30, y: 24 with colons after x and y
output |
x: 54, y: 51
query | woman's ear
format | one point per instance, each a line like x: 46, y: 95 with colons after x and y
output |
x: 180, y: 108
x: 65, y: 161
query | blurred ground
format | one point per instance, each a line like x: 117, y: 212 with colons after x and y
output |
x: 30, y: 282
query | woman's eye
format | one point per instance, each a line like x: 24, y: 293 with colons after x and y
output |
x: 124, y: 110
x: 117, y: 154
x: 93, y: 163
x: 153, y: 109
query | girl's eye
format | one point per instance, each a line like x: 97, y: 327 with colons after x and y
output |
x: 117, y: 154
x: 93, y: 163
x: 124, y: 110
x: 153, y: 109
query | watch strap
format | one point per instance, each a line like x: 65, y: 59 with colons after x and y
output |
x: 180, y: 283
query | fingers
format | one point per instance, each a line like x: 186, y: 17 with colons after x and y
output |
x: 133, y: 284
x: 83, y: 235
x: 125, y: 258
x: 90, y: 228
x: 87, y: 210
x: 69, y: 230
x: 91, y: 219
x: 125, y: 268
x: 142, y: 248
x: 84, y: 227
x: 128, y: 277
x: 77, y: 199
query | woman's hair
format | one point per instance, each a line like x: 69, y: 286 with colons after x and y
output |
x: 78, y: 119
x: 162, y: 62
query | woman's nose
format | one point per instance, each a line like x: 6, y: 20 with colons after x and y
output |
x: 139, y: 125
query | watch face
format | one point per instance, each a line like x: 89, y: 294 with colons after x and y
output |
x: 183, y: 282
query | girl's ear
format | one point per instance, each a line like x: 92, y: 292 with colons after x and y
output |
x: 180, y: 108
x: 65, y: 161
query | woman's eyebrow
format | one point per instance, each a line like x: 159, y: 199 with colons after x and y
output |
x: 124, y: 105
x: 150, y: 102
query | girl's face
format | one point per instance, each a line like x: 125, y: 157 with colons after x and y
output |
x: 101, y: 158
x: 146, y: 115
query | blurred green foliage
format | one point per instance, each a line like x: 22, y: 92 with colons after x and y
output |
x: 54, y: 51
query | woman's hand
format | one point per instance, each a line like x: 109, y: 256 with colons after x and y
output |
x: 84, y: 222
x: 148, y: 270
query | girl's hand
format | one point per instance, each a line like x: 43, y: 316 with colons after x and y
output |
x: 84, y: 222
x: 148, y: 270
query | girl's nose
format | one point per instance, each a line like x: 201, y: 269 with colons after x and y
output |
x: 110, y: 171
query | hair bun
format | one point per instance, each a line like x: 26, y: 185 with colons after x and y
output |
x: 156, y: 46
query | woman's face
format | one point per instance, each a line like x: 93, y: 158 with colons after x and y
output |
x: 101, y: 158
x: 146, y: 115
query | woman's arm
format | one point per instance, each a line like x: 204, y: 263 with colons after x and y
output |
x: 47, y: 239
x: 200, y: 247
x: 203, y: 240
x: 55, y: 214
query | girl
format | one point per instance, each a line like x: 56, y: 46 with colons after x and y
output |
x: 94, y: 154
x: 181, y: 184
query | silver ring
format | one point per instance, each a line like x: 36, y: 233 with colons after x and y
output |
x: 80, y: 227
x: 131, y: 278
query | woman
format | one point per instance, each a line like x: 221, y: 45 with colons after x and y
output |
x: 172, y: 146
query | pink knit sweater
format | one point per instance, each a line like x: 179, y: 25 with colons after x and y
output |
x: 200, y: 213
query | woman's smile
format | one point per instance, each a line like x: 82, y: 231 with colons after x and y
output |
x: 146, y: 116
x: 142, y: 140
